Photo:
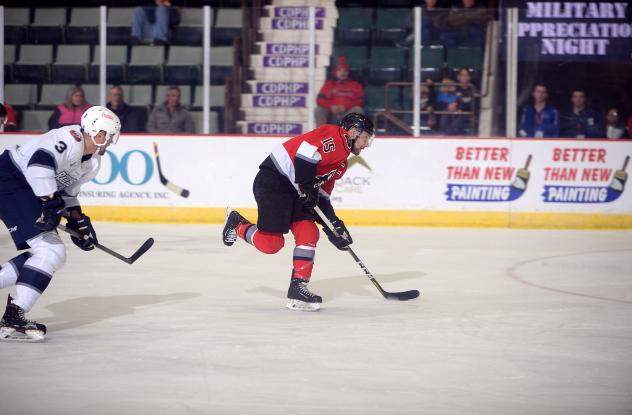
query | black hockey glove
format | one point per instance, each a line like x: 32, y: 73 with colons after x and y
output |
x: 343, y: 240
x: 83, y: 227
x: 52, y: 209
x: 310, y: 194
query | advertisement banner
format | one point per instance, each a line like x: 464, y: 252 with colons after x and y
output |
x: 283, y: 88
x: 298, y: 12
x: 577, y: 31
x: 296, y: 24
x: 394, y: 174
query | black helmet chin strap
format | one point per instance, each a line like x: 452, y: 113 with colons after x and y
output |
x: 351, y: 140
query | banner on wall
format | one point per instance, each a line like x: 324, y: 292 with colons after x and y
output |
x: 432, y: 174
x: 578, y: 30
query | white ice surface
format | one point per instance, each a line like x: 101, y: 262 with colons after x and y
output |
x: 509, y: 322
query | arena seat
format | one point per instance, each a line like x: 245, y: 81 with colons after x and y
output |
x: 47, y: 25
x: 70, y: 64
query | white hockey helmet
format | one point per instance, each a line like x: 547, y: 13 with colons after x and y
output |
x: 98, y: 118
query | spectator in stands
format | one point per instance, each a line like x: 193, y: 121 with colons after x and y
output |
x: 465, y: 25
x: 132, y: 120
x: 447, y: 100
x: 154, y: 24
x: 8, y: 118
x: 540, y: 119
x: 426, y: 104
x: 460, y: 100
x: 614, y: 127
x: 71, y: 110
x: 170, y: 116
x: 339, y: 97
x: 433, y: 18
x: 580, y: 121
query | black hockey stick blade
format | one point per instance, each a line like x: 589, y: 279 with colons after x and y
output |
x: 399, y: 296
x: 139, y: 252
x: 402, y: 296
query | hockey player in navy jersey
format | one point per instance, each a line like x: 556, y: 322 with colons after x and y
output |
x: 297, y: 176
x: 39, y: 183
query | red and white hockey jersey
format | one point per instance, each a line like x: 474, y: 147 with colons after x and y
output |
x: 316, y: 156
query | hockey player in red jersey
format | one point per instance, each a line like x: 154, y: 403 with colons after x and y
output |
x: 298, y: 175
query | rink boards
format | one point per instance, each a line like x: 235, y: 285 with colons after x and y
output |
x: 399, y: 181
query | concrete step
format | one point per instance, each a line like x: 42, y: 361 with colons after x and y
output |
x: 287, y: 74
x: 298, y: 36
x: 274, y: 114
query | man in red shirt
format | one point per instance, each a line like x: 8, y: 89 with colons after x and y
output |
x: 339, y: 97
x: 297, y: 176
x: 8, y: 117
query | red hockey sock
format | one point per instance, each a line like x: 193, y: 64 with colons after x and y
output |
x: 306, y: 235
x: 266, y: 242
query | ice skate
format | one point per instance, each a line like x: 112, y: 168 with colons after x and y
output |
x: 14, y: 326
x: 232, y: 220
x: 300, y: 298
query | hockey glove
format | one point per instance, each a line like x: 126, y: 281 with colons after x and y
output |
x: 310, y: 195
x: 343, y: 240
x: 52, y: 209
x: 83, y: 227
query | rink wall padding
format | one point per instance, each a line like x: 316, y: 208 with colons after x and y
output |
x: 399, y: 181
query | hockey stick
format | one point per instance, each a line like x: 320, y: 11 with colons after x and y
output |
x: 168, y: 184
x: 402, y: 296
x: 140, y: 251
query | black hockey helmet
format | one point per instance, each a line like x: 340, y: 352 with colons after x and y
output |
x: 360, y: 121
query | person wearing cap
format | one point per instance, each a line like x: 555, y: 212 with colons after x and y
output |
x: 340, y: 96
x: 8, y: 117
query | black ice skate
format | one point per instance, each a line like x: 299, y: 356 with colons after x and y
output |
x: 301, y: 298
x: 14, y: 326
x: 232, y: 220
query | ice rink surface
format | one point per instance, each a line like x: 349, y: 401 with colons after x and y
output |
x: 508, y: 322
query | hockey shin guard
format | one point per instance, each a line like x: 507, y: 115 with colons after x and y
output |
x: 306, y: 236
x: 10, y: 270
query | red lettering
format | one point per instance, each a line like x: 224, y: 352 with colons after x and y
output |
x: 596, y: 175
x: 482, y: 153
x: 582, y: 155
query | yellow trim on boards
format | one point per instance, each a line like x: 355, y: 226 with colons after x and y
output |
x: 377, y: 217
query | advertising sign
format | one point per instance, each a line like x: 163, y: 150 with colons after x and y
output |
x: 581, y: 31
x: 449, y: 176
